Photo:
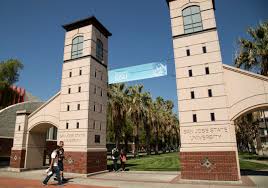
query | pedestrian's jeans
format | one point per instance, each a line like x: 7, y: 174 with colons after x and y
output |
x: 55, y: 170
x: 115, y: 164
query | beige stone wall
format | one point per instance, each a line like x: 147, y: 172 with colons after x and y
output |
x: 47, y: 113
x: 246, y: 91
x: 205, y: 134
x: 92, y: 98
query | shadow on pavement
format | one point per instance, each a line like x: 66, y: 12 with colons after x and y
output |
x: 253, y: 173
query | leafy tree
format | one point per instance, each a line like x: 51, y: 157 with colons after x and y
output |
x: 9, y: 74
x: 253, y: 52
x: 10, y: 71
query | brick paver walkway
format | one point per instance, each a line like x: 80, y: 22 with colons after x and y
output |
x: 23, y: 183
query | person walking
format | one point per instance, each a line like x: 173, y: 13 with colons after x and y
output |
x: 115, y: 155
x: 54, y: 168
x: 123, y: 159
x: 60, y: 161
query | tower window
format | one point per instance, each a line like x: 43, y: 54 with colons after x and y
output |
x: 192, y: 20
x: 212, y: 116
x: 95, y: 73
x: 78, y: 106
x: 79, y: 89
x: 194, y: 118
x: 204, y: 49
x: 77, y: 125
x: 100, y: 125
x: 69, y: 90
x: 94, y: 107
x: 68, y: 107
x: 207, y: 70
x: 19, y: 128
x: 80, y: 72
x: 97, y: 138
x: 192, y: 95
x: 101, y: 93
x: 94, y: 124
x: 190, y: 73
x: 100, y: 108
x: 70, y: 74
x: 210, y: 93
x: 77, y: 47
x: 67, y: 125
x: 95, y: 89
x: 99, y: 50
x: 188, y: 52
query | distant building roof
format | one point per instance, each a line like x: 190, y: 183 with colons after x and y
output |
x: 87, y: 21
x: 8, y: 117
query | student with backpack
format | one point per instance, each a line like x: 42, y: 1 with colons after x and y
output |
x: 115, y: 155
x: 54, y: 168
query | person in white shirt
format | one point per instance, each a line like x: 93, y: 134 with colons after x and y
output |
x: 54, y: 167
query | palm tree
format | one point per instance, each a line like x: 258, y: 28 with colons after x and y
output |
x: 146, y: 114
x: 136, y: 110
x: 253, y: 53
x: 157, y: 120
x: 117, y: 108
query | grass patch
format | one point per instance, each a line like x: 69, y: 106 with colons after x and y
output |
x: 247, y: 165
x: 162, y: 162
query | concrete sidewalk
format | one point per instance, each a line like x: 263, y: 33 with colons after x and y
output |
x: 135, y: 179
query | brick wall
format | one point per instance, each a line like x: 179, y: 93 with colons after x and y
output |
x: 221, y: 166
x: 85, y: 162
x: 17, y: 158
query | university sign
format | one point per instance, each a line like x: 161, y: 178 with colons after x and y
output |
x: 139, y: 72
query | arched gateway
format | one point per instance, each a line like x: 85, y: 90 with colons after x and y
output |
x: 211, y: 97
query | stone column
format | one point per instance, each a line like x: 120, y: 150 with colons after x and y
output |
x: 17, y: 158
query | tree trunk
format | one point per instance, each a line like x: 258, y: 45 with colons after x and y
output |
x: 156, y: 140
x: 148, y: 140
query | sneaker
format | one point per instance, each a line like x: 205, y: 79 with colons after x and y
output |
x: 44, y: 184
x: 63, y: 179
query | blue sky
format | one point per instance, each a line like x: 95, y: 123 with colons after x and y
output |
x: 31, y: 31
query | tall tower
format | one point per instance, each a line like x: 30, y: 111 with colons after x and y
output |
x: 208, y: 143
x: 84, y: 96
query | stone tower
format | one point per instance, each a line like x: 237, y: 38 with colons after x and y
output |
x: 84, y: 96
x: 208, y: 143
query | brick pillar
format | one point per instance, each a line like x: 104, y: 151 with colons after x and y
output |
x: 85, y: 162
x: 220, y: 166
x: 17, y: 158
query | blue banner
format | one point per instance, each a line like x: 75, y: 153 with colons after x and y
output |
x: 138, y: 72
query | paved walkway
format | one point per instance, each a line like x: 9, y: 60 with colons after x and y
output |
x: 134, y: 179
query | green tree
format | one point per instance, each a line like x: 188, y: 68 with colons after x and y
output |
x: 136, y: 110
x: 9, y: 74
x: 10, y: 71
x: 117, y: 109
x: 253, y: 52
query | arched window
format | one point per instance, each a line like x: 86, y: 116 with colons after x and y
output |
x: 77, y: 47
x: 192, y: 20
x: 99, y: 50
